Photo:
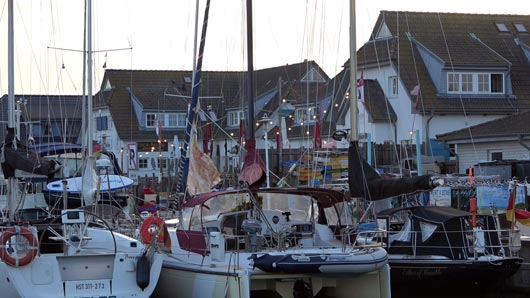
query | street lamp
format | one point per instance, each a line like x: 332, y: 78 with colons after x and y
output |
x: 265, y: 120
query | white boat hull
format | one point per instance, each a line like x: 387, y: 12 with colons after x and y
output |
x: 98, y: 270
x: 188, y: 281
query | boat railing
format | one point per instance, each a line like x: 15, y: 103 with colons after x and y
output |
x: 455, y: 244
x: 352, y: 237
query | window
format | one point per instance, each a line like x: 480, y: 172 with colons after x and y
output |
x: 483, y: 83
x: 467, y: 82
x: 142, y: 163
x: 234, y: 117
x: 453, y: 80
x: 496, y: 155
x: 305, y: 115
x: 177, y: 120
x: 476, y: 83
x: 102, y: 123
x: 520, y: 27
x: 502, y: 27
x: 497, y: 83
x: 150, y: 120
x: 393, y: 86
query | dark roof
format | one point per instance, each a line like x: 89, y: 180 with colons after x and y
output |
x: 457, y: 40
x: 376, y: 103
x: 167, y: 91
x: 511, y: 126
x: 42, y: 108
x: 163, y: 91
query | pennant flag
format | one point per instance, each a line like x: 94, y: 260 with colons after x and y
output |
x: 360, y: 88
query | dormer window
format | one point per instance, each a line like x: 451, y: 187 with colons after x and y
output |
x: 502, y: 27
x: 520, y: 28
x: 475, y: 83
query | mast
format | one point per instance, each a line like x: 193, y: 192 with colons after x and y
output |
x: 182, y: 177
x: 12, y: 181
x: 353, y: 76
x: 89, y: 78
x: 250, y: 82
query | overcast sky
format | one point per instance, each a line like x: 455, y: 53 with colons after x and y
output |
x: 161, y: 35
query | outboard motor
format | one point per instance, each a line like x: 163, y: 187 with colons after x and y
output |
x: 143, y: 272
x: 252, y: 227
x: 302, y: 289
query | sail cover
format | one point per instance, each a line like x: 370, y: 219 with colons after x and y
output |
x: 365, y: 182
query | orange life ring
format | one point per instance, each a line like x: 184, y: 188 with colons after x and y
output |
x: 155, y: 225
x: 13, y: 259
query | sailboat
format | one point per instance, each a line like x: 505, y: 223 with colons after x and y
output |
x: 75, y: 254
x: 433, y: 247
x: 252, y: 241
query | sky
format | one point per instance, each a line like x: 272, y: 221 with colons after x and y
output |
x: 160, y: 35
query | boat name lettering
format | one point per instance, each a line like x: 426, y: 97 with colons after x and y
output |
x: 422, y: 272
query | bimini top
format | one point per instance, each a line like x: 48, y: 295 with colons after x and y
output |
x: 432, y: 213
x: 326, y: 197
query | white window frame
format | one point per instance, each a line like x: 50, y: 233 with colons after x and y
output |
x: 234, y: 117
x: 481, y: 83
x: 393, y: 86
x: 143, y: 163
x: 176, y: 120
x: 148, y: 121
x: 304, y: 115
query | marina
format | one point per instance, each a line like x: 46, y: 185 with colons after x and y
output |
x: 404, y: 174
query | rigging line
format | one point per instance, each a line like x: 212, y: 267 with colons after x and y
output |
x: 373, y: 37
x: 459, y: 94
x: 419, y: 96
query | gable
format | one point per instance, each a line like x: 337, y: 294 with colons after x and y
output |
x: 313, y: 75
x: 383, y: 32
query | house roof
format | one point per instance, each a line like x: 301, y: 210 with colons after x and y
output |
x: 170, y: 91
x: 513, y: 126
x: 457, y: 41
x: 375, y: 101
x: 44, y: 108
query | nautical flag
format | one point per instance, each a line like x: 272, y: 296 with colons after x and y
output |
x: 415, y: 91
x: 203, y: 174
x: 360, y: 88
x: 512, y: 214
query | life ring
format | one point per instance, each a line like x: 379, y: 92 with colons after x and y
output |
x: 154, y: 225
x: 13, y: 259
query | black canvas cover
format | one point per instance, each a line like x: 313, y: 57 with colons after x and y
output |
x: 365, y: 182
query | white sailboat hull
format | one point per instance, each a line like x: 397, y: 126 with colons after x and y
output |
x: 97, y: 271
x: 202, y: 281
x: 190, y: 275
